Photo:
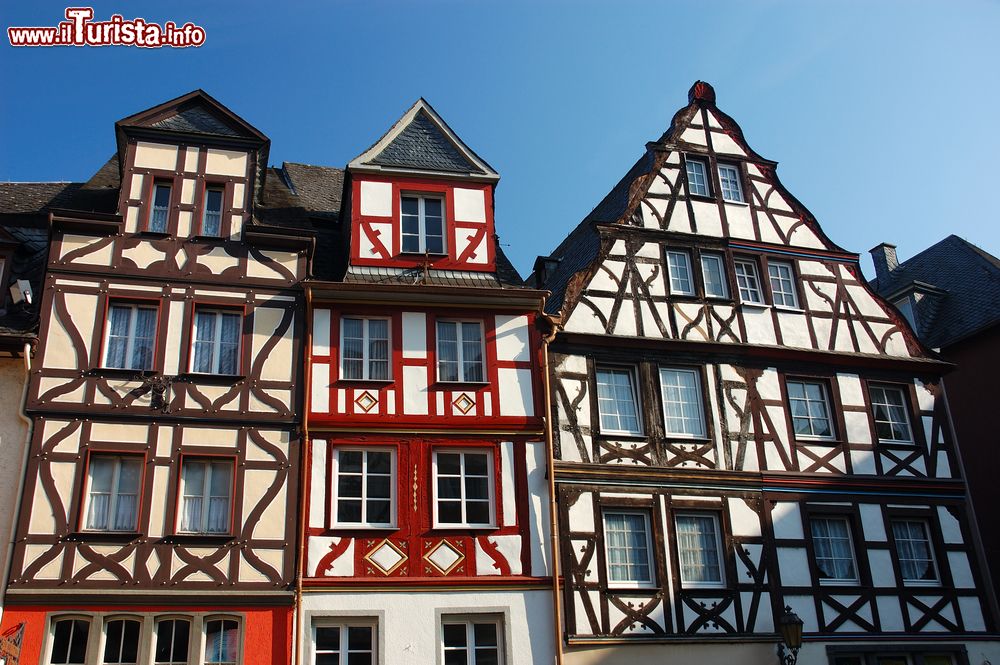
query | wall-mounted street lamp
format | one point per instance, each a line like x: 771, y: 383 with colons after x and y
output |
x: 790, y: 627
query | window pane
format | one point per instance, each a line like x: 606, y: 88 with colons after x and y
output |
x: 714, y: 276
x: 221, y: 641
x: 682, y: 402
x: 746, y: 280
x: 211, y: 222
x: 160, y: 209
x: 328, y: 638
x: 680, y: 273
x: 698, y: 549
x: 892, y: 422
x: 697, y: 183
x: 454, y: 635
x: 913, y: 549
x: 782, y: 284
x: 69, y: 642
x: 616, y: 401
x: 833, y: 549
x: 172, y: 641
x: 485, y: 634
x: 626, y: 545
x: 729, y: 178
x: 809, y: 409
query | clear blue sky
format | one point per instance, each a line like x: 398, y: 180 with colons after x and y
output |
x: 881, y: 114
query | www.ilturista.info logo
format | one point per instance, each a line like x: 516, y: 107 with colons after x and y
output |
x: 81, y: 30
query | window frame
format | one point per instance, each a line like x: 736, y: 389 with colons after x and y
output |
x: 634, y: 386
x: 828, y: 402
x: 211, y: 185
x: 755, y: 266
x: 738, y: 172
x: 699, y: 389
x: 422, y: 222
x: 89, y: 648
x: 152, y: 207
x: 209, y: 459
x: 936, y: 560
x: 470, y: 621
x: 848, y: 520
x: 646, y: 514
x: 719, y: 544
x: 142, y: 647
x: 365, y: 350
x: 703, y: 163
x: 203, y: 638
x: 793, y: 282
x: 134, y: 304
x: 491, y: 459
x: 460, y: 351
x: 334, y: 521
x: 720, y: 260
x: 343, y: 624
x: 686, y: 255
x: 907, y: 410
x: 117, y: 455
x: 222, y: 309
x: 193, y: 638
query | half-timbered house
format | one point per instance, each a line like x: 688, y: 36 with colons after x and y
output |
x: 158, y: 515
x: 742, y: 426
x: 426, y: 507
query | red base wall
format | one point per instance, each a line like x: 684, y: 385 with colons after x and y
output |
x: 267, y: 632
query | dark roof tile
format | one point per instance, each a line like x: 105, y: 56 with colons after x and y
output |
x: 422, y: 145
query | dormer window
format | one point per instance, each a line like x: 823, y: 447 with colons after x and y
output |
x: 696, y: 176
x: 160, y: 208
x: 422, y: 225
x: 211, y: 218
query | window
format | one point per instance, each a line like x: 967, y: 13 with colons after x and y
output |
x: 205, y: 495
x: 211, y: 218
x: 893, y: 657
x: 464, y: 488
x: 616, y: 401
x: 682, y: 403
x: 699, y: 549
x: 130, y: 336
x: 729, y: 179
x: 473, y: 641
x: 913, y: 549
x: 782, y: 284
x: 160, y: 209
x: 905, y: 307
x: 113, y: 493
x: 121, y: 642
x: 422, y: 224
x: 810, y: 409
x: 69, y: 642
x: 833, y: 549
x: 697, y: 181
x: 628, y: 546
x: 365, y: 349
x: 344, y: 645
x: 222, y: 642
x: 460, y: 351
x: 680, y: 273
x: 217, y: 341
x: 748, y: 282
x: 892, y: 424
x: 714, y: 275
x: 365, y: 487
x: 173, y: 637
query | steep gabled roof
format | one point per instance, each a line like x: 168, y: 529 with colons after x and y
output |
x: 961, y: 283
x: 197, y: 112
x: 422, y: 141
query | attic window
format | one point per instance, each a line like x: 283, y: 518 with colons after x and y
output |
x: 905, y: 307
x: 697, y: 178
x: 422, y: 222
x: 159, y: 208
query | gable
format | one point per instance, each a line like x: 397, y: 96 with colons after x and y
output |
x: 194, y: 113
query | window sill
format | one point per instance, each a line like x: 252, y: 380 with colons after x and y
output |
x: 755, y: 305
x: 645, y: 586
x: 706, y: 198
x: 106, y: 536
x: 153, y: 234
x: 213, y: 538
x: 379, y: 382
x: 922, y: 583
x: 817, y: 439
x: 686, y: 438
x: 786, y: 308
x: 452, y: 385
x: 619, y: 436
x: 897, y: 444
x: 119, y: 372
x: 843, y: 583
x: 201, y: 237
x: 220, y: 379
x: 694, y: 586
x: 742, y: 204
x: 362, y: 527
x: 419, y: 255
x: 464, y: 527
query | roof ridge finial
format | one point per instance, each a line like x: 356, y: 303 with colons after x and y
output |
x: 701, y: 91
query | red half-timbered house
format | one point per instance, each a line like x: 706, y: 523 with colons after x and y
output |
x: 426, y: 494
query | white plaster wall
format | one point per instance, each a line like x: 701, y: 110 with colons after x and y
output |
x: 760, y: 653
x: 376, y: 199
x: 409, y: 622
x: 13, y: 432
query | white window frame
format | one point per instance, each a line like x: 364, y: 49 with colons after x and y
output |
x: 206, y: 495
x: 683, y: 263
x: 113, y: 500
x: 650, y: 552
x: 754, y: 274
x: 850, y: 542
x: 365, y: 350
x: 133, y: 308
x: 203, y: 638
x: 192, y: 639
x: 491, y: 482
x: 142, y: 648
x: 717, y: 527
x: 343, y: 624
x: 169, y: 185
x: 825, y: 394
x: 90, y: 651
x: 925, y: 525
x: 790, y: 279
x: 736, y: 180
x: 703, y: 165
x: 721, y: 263
x: 335, y: 497
x: 217, y: 341
x: 422, y: 222
x: 209, y: 187
x: 906, y: 412
x: 460, y: 352
x: 633, y: 387
x: 703, y: 432
x: 469, y: 621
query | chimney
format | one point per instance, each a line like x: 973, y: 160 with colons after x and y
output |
x: 884, y: 256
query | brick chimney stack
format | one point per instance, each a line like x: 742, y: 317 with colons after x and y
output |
x: 884, y: 256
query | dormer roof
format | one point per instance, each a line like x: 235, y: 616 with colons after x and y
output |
x: 421, y: 142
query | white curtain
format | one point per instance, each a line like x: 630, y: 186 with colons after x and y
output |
x: 118, y: 325
x: 204, y: 341
x: 378, y: 349
x: 698, y: 546
x: 447, y: 333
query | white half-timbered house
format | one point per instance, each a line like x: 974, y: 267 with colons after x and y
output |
x: 741, y: 425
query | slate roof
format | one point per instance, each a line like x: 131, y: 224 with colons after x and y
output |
x: 422, y: 145
x: 196, y: 120
x: 964, y: 297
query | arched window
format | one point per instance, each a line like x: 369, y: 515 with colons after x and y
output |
x: 121, y: 642
x: 69, y: 641
x: 222, y: 641
x: 172, y: 642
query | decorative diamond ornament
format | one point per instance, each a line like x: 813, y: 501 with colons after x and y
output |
x: 445, y: 557
x: 463, y: 403
x: 365, y: 401
x: 386, y: 556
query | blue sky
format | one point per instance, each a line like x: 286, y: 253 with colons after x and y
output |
x: 881, y: 114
